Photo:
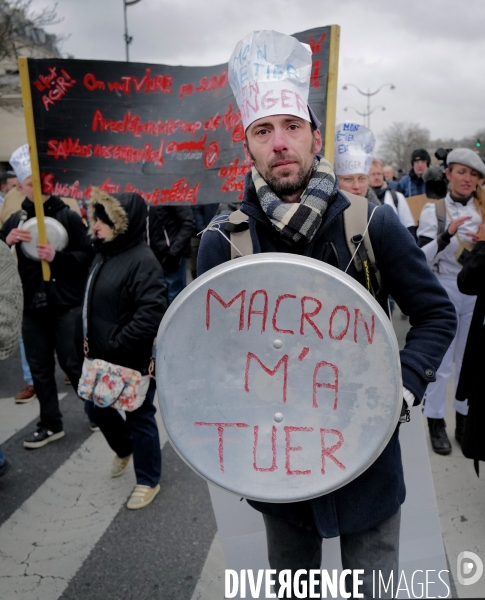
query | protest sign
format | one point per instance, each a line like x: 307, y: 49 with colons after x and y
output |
x: 291, y: 385
x: 173, y: 134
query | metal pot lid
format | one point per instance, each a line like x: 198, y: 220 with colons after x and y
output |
x: 56, y: 236
x: 278, y: 377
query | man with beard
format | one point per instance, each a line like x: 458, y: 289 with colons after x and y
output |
x: 293, y: 203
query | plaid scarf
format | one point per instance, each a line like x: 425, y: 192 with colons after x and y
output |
x: 299, y: 220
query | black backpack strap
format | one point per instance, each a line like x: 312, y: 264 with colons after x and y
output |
x: 395, y: 199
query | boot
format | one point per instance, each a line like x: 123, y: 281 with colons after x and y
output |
x: 439, y: 438
x: 460, y: 427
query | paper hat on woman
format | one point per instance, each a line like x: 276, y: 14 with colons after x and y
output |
x: 354, y: 149
x: 20, y: 161
x: 269, y: 73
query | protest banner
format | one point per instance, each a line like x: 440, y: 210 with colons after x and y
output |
x: 292, y: 383
x: 172, y: 134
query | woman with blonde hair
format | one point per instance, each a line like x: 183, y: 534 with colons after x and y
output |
x: 447, y: 232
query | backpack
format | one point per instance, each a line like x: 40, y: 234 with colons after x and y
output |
x: 356, y: 236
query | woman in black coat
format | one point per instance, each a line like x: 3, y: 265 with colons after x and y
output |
x: 471, y: 280
x: 125, y: 303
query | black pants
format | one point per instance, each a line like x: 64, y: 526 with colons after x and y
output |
x: 45, y: 331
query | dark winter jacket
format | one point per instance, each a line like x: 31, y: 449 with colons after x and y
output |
x: 127, y: 292
x: 411, y: 185
x: 471, y: 281
x: 203, y: 215
x: 376, y: 494
x: 171, y: 228
x: 69, y: 269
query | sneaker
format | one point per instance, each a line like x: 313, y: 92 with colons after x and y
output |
x: 142, y: 495
x: 42, y: 437
x: 25, y: 395
x: 439, y: 438
x: 460, y: 427
x: 119, y: 465
x: 94, y: 427
x: 67, y: 381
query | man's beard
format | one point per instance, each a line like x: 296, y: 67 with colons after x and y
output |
x: 283, y: 186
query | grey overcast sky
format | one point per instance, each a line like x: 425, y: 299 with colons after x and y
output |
x: 433, y: 51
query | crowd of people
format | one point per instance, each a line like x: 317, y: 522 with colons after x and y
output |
x: 112, y: 280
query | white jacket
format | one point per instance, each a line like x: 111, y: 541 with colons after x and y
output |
x: 403, y: 211
x: 445, y: 262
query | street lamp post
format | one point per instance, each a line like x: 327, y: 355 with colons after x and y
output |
x: 366, y: 114
x: 128, y: 38
x: 368, y: 95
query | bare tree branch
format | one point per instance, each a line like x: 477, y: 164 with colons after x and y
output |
x: 21, y: 28
x: 398, y: 142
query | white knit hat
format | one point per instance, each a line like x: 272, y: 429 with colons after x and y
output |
x: 269, y: 73
x: 354, y: 149
x: 20, y: 161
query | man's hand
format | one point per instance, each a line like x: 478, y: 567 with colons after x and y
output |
x: 46, y: 252
x: 18, y: 235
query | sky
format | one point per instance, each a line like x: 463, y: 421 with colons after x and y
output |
x: 430, y: 50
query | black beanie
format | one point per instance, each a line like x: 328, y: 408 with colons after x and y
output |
x: 101, y: 215
x: 420, y: 154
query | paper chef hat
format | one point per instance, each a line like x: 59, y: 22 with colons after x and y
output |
x: 20, y: 161
x: 354, y: 149
x: 269, y: 73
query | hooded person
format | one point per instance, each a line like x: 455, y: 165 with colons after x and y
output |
x: 52, y: 308
x: 447, y: 242
x: 124, y: 304
x: 413, y: 183
x: 293, y: 204
x: 354, y: 152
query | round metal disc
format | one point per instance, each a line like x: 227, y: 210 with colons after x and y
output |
x: 56, y: 236
x: 278, y: 377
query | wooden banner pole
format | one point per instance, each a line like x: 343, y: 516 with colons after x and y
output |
x: 332, y: 82
x: 34, y: 161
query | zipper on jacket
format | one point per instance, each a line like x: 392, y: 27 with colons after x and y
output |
x: 166, y: 236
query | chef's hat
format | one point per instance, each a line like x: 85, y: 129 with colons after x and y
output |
x: 20, y: 161
x: 269, y: 73
x: 354, y: 149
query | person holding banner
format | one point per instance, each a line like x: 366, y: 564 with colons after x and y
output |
x: 293, y: 203
x: 52, y: 308
x: 446, y: 238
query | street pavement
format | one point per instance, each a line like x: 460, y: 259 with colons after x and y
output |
x: 65, y: 532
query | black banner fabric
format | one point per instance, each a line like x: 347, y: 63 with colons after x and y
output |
x: 172, y: 134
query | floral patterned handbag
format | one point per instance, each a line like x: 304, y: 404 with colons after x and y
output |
x: 107, y: 384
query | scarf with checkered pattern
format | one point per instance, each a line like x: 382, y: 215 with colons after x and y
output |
x: 299, y: 220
